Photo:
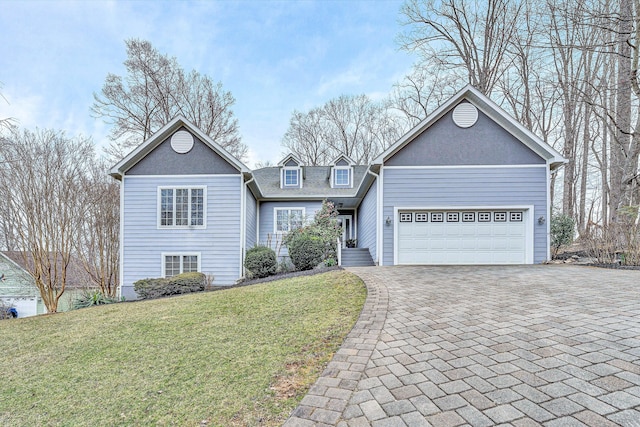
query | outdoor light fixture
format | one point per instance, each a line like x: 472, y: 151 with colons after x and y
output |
x: 541, y: 220
x: 388, y: 221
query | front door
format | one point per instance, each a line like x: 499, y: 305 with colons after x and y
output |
x: 346, y: 222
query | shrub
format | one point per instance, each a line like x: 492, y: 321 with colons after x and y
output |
x: 161, y: 287
x: 261, y: 261
x: 562, y: 229
x: 90, y: 298
x: 306, y: 251
x: 7, y: 311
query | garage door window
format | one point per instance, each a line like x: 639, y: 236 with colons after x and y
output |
x: 453, y: 217
x: 500, y: 216
x: 422, y: 217
x: 515, y: 216
x: 406, y: 217
x: 437, y: 217
x: 468, y: 216
x: 484, y: 216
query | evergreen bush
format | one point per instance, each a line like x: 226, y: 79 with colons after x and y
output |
x: 261, y: 261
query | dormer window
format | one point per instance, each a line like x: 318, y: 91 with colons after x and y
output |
x: 291, y: 177
x: 290, y: 172
x: 342, y: 172
x: 341, y: 176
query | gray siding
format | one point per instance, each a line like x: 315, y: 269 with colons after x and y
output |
x: 267, y: 218
x: 251, y: 210
x: 200, y: 160
x: 466, y: 187
x: 367, y: 221
x: 143, y: 242
x: 484, y: 143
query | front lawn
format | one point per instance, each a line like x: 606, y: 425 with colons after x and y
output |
x: 242, y: 356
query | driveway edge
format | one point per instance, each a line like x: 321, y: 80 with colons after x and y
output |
x: 328, y: 397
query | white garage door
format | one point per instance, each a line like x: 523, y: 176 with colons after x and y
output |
x: 462, y: 237
x: 26, y: 306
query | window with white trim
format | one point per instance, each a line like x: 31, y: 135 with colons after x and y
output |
x: 181, y: 207
x: 499, y: 216
x: 287, y: 219
x: 173, y: 264
x: 468, y: 216
x: 342, y: 176
x: 515, y: 216
x: 422, y: 217
x: 291, y: 177
x: 437, y: 216
x: 453, y: 216
x: 406, y: 217
x: 484, y: 216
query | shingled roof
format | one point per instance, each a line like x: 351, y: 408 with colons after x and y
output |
x: 77, y: 276
x: 316, y: 183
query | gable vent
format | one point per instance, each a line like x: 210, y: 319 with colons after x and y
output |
x: 465, y: 115
x: 182, y: 142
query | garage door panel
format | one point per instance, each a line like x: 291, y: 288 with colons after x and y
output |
x: 463, y: 237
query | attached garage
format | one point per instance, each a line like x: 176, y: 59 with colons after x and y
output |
x: 464, y: 236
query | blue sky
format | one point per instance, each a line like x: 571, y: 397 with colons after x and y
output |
x: 274, y: 56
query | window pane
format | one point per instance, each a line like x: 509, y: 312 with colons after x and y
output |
x: 197, y: 206
x: 166, y: 207
x: 295, y: 219
x: 282, y: 223
x: 189, y: 263
x: 342, y: 176
x: 171, y: 265
x: 290, y: 177
x: 182, y: 206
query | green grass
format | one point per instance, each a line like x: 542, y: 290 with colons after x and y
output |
x: 242, y: 356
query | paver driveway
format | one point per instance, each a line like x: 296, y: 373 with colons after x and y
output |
x: 553, y: 345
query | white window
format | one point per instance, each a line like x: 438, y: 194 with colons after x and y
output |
x: 468, y: 216
x: 406, y: 217
x: 342, y: 176
x: 291, y: 177
x: 453, y: 217
x: 437, y: 216
x: 287, y: 219
x: 173, y: 264
x: 484, y: 216
x: 422, y: 217
x: 499, y: 216
x: 515, y: 216
x: 181, y: 207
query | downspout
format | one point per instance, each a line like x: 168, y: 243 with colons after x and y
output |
x: 378, y: 215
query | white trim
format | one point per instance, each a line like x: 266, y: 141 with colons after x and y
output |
x: 529, y: 213
x: 173, y: 177
x: 243, y: 225
x: 121, y: 237
x: 543, y: 165
x: 288, y: 157
x: 159, y: 226
x: 163, y: 255
x: 275, y: 216
x: 346, y: 159
x: 380, y: 222
x: 334, y: 184
x: 548, y: 220
x: 491, y: 110
x: 258, y: 222
x: 283, y: 173
x: 158, y: 137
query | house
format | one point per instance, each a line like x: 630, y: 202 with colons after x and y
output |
x: 17, y: 286
x: 467, y: 185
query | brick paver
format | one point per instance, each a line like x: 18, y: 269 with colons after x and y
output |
x: 449, y: 346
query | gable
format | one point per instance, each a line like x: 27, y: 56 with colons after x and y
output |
x: 446, y: 144
x: 342, y: 162
x: 200, y: 159
x: 291, y: 163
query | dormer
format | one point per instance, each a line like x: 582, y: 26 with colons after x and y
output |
x: 342, y: 172
x: 290, y: 172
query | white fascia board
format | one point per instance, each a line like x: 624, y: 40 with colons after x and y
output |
x: 489, y: 108
x: 152, y: 142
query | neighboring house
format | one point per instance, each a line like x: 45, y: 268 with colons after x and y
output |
x: 468, y: 185
x: 17, y: 287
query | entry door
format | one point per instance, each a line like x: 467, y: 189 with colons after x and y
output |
x: 346, y: 222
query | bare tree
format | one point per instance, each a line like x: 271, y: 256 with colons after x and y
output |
x: 350, y: 125
x: 98, y: 244
x: 154, y: 91
x: 40, y: 173
x: 469, y: 38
